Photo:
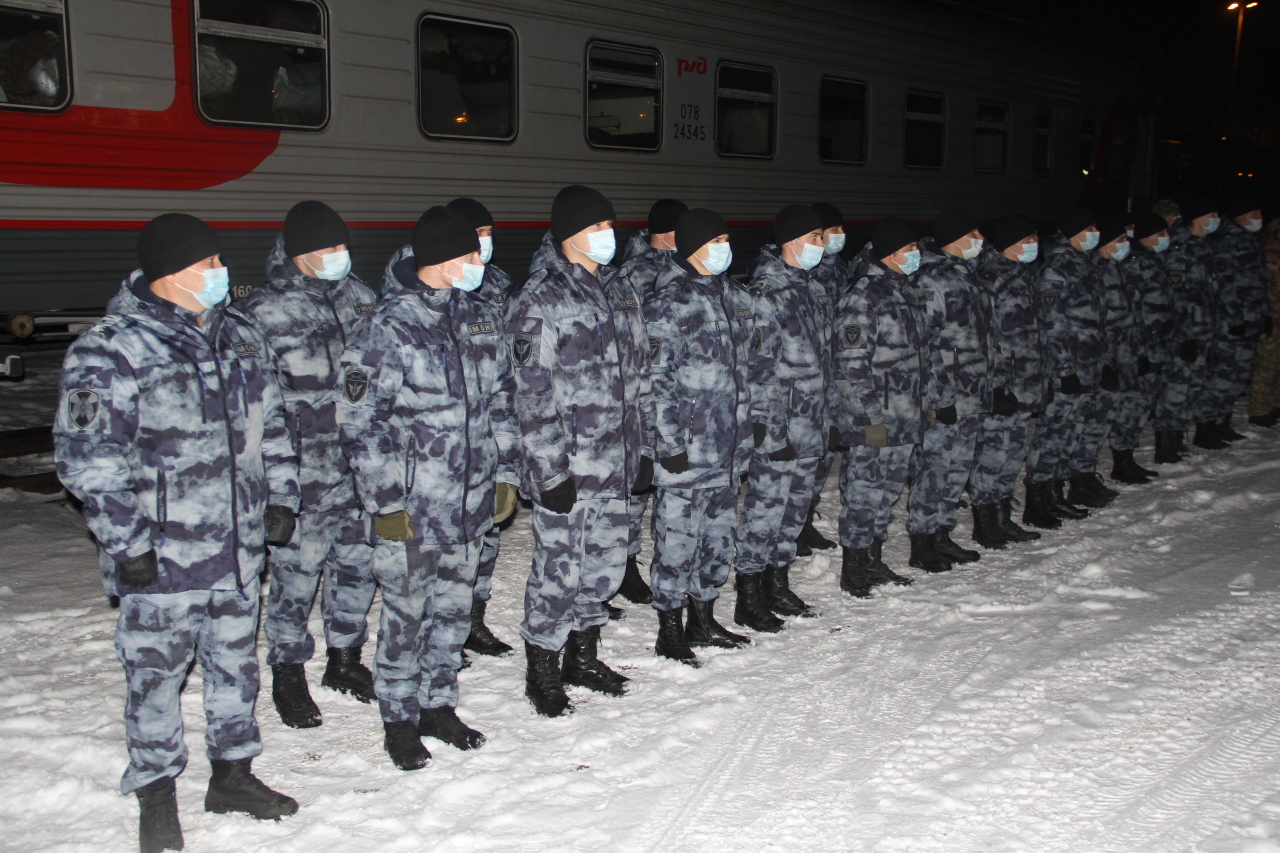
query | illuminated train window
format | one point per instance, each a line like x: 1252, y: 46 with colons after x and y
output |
x: 842, y: 121
x: 624, y: 97
x: 1042, y: 152
x: 991, y: 137
x: 262, y: 62
x: 746, y: 110
x: 466, y: 80
x: 924, y: 130
x: 33, y: 55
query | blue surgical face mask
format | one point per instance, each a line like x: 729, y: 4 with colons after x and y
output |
x: 1128, y: 232
x: 834, y: 244
x: 975, y: 249
x: 719, y: 257
x: 217, y: 283
x: 1122, y: 251
x: 1253, y: 226
x: 1030, y: 251
x: 911, y: 262
x: 601, y: 246
x: 810, y: 256
x: 337, y: 266
x: 1090, y: 241
x: 1162, y: 244
x: 472, y: 277
x: 486, y: 249
x: 1212, y: 225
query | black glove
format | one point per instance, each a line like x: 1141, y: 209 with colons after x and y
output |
x: 1003, y: 403
x: 835, y: 442
x: 945, y: 415
x: 1267, y: 325
x: 1189, y: 351
x: 786, y: 454
x: 677, y: 464
x: 644, y: 477
x: 1071, y: 384
x: 280, y: 521
x: 757, y: 430
x: 1110, y: 379
x: 140, y: 571
x: 1144, y: 365
x: 560, y: 499
x: 1237, y: 331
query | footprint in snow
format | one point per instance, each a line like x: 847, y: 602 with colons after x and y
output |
x: 1242, y: 584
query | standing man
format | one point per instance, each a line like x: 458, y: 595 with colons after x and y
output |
x: 426, y: 424
x: 1264, y: 390
x: 1155, y: 309
x: 309, y: 306
x: 585, y: 416
x: 171, y: 430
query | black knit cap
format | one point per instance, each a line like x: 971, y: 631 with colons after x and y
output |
x: 1241, y: 206
x: 1148, y: 225
x: 1194, y: 208
x: 951, y: 225
x: 472, y: 211
x: 890, y: 235
x: 696, y: 228
x: 1076, y: 220
x: 313, y: 225
x: 577, y: 207
x: 828, y: 214
x: 172, y: 242
x: 442, y: 235
x: 664, y: 215
x: 1111, y: 227
x: 1009, y: 231
x: 794, y: 220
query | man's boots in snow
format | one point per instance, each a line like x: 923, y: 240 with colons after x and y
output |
x: 1207, y: 436
x: 879, y: 570
x: 751, y: 611
x: 1228, y: 433
x: 158, y: 826
x: 346, y: 674
x: 234, y: 788
x: 702, y: 629
x: 291, y: 697
x: 986, y: 527
x: 1267, y: 421
x: 924, y: 554
x: 1062, y: 506
x: 1125, y: 470
x: 1166, y: 449
x: 778, y: 595
x: 542, y: 682
x: 482, y: 641
x: 1038, y: 511
x: 671, y: 639
x: 952, y: 552
x: 810, y: 537
x: 855, y: 578
x: 404, y: 745
x: 633, y: 588
x: 1012, y: 531
x: 583, y: 667
x: 1085, y: 491
x: 443, y: 724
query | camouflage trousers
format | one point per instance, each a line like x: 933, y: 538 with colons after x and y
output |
x: 1130, y: 413
x: 943, y: 462
x: 1055, y: 436
x: 157, y: 637
x: 774, y: 511
x: 1176, y: 401
x: 693, y: 532
x: 1095, y: 413
x: 1001, y: 450
x: 635, y: 510
x: 488, y: 562
x: 1264, y: 389
x: 825, y: 464
x: 871, y: 481
x: 335, y: 545
x: 1226, y: 379
x: 578, y: 562
x: 426, y: 617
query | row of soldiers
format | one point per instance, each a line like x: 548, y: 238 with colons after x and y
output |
x: 378, y: 439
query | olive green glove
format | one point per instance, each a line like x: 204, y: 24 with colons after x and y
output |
x: 876, y: 436
x: 504, y: 502
x: 396, y: 526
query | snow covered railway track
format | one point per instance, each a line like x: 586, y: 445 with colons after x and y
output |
x: 26, y: 446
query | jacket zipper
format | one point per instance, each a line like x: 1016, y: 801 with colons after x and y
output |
x: 231, y: 450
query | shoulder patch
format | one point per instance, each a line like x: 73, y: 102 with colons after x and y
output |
x: 242, y: 348
x: 83, y: 407
x: 823, y: 300
x: 655, y: 348
x: 628, y: 302
x: 1050, y: 298
x: 480, y: 328
x: 366, y: 309
x: 521, y: 349
x: 757, y: 339
x: 499, y: 298
x: 105, y: 324
x: 354, y: 385
x: 852, y: 335
x: 744, y: 313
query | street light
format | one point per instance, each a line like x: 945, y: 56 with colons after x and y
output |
x: 1238, y: 8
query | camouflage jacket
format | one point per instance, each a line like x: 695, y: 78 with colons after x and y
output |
x: 959, y: 339
x: 426, y: 410
x: 832, y: 273
x: 1072, y: 300
x: 1271, y: 245
x: 581, y: 359
x: 701, y: 338
x: 881, y: 366
x: 1018, y: 337
x: 796, y: 402
x: 641, y: 270
x: 1122, y: 317
x: 637, y: 244
x: 1156, y: 308
x: 496, y: 288
x: 173, y: 435
x: 1242, y: 284
x: 1193, y: 271
x: 545, y: 255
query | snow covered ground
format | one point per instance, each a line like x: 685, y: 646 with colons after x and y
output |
x: 1114, y: 687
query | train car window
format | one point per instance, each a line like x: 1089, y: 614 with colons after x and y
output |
x: 842, y: 121
x: 925, y: 130
x: 1042, y: 153
x: 991, y: 137
x: 466, y: 80
x: 624, y: 96
x: 33, y: 55
x: 746, y: 110
x: 1088, y: 143
x: 263, y: 62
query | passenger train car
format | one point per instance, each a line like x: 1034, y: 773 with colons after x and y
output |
x: 113, y: 111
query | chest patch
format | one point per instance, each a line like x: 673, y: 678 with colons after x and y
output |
x: 852, y: 335
x: 823, y: 300
x: 655, y: 349
x: 83, y: 407
x: 744, y: 313
x: 354, y: 385
x: 922, y: 298
x: 522, y: 349
x: 245, y: 349
x: 480, y: 328
x: 499, y: 298
x: 757, y: 340
x: 628, y: 302
x: 1050, y: 298
x: 366, y: 309
x: 1222, y: 266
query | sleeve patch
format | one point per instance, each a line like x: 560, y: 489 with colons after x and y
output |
x: 852, y: 336
x: 655, y: 349
x: 83, y: 408
x: 354, y: 385
x: 522, y: 349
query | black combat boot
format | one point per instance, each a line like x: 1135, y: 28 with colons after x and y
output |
x: 584, y: 668
x: 924, y: 554
x: 1207, y: 436
x: 1100, y: 487
x: 1267, y: 421
x: 1166, y: 449
x: 346, y: 674
x: 1180, y: 442
x: 1012, y: 531
x: 234, y: 788
x: 443, y: 724
x: 1228, y: 433
x: 158, y: 826
x: 952, y: 552
x: 1038, y: 511
x: 1062, y: 506
x: 879, y: 570
x: 671, y: 638
x: 702, y: 629
x: 986, y: 527
x: 1084, y: 492
x: 633, y: 588
x: 404, y: 745
x: 810, y: 537
x: 482, y: 641
x: 1125, y: 470
x: 542, y: 681
x: 855, y: 578
x: 778, y: 595
x: 616, y: 614
x: 751, y: 610
x: 292, y: 698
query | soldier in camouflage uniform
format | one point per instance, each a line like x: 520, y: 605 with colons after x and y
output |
x: 881, y: 375
x: 1155, y: 311
x: 309, y: 306
x: 1264, y: 391
x: 1016, y: 371
x: 171, y: 430
x: 426, y: 423
x: 585, y: 415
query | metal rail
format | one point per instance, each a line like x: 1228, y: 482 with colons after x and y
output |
x: 28, y: 442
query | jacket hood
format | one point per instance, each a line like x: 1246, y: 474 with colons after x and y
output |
x: 399, y: 269
x: 637, y: 244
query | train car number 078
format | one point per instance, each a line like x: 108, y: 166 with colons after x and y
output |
x: 688, y: 129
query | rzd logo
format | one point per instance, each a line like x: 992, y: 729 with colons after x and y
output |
x: 693, y: 66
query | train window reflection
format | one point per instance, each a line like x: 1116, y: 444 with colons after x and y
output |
x: 624, y: 97
x: 746, y: 110
x: 33, y: 55
x: 924, y: 130
x: 991, y: 137
x: 466, y: 80
x: 842, y: 121
x: 1088, y: 143
x: 262, y: 62
x: 1042, y: 152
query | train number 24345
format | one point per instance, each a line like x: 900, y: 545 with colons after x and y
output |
x: 689, y: 127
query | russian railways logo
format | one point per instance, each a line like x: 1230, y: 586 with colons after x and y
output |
x: 693, y: 66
